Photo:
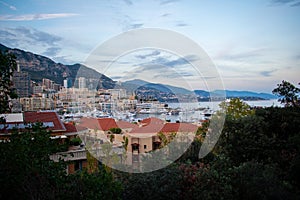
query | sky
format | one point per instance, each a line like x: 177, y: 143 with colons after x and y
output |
x: 252, y: 45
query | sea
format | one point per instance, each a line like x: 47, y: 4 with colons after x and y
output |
x: 214, y: 105
x: 195, y: 111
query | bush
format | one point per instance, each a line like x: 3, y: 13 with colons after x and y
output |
x: 75, y: 141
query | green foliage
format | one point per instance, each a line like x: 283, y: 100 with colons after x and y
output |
x: 91, y: 186
x: 26, y: 169
x: 75, y: 141
x: 202, y: 130
x: 256, y: 157
x: 111, y: 138
x: 236, y: 108
x: 27, y: 172
x: 288, y: 94
x: 8, y: 65
x: 161, y: 184
x: 116, y: 130
x: 125, y: 142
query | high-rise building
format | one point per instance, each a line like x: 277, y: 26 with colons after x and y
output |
x: 37, y: 89
x: 67, y: 83
x: 47, y: 83
x: 21, y: 82
x: 81, y: 82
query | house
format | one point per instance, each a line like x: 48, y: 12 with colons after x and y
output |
x: 63, y: 132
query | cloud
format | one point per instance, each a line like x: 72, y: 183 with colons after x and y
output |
x: 5, y: 33
x: 32, y: 35
x: 164, y: 2
x: 297, y: 57
x: 165, y: 15
x: 134, y: 26
x: 9, y: 6
x: 181, y: 24
x: 52, y: 51
x: 63, y: 59
x: 182, y: 60
x: 250, y: 54
x: 282, y: 1
x: 127, y: 23
x: 161, y: 61
x: 267, y: 73
x: 128, y: 2
x: 292, y: 3
x: 296, y: 4
x: 154, y: 53
x: 30, y: 39
x: 31, y: 17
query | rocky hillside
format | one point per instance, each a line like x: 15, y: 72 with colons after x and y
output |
x: 40, y: 67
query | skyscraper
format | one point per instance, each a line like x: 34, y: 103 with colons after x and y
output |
x: 81, y: 82
x: 21, y: 82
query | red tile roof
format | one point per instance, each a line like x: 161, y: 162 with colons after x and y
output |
x: 149, y: 125
x: 179, y: 127
x: 107, y: 123
x: 89, y: 122
x: 70, y: 127
x: 126, y: 125
x: 45, y: 117
x: 152, y: 128
x: 151, y: 120
x: 103, y: 124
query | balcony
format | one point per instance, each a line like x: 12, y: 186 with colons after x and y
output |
x: 69, y: 155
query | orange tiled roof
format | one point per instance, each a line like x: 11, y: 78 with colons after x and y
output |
x: 125, y: 125
x: 151, y: 120
x: 70, y: 127
x: 149, y: 125
x: 103, y: 124
x: 179, y: 127
x: 45, y: 117
x: 107, y: 123
x: 89, y: 122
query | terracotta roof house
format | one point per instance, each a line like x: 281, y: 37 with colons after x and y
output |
x: 152, y: 121
x: 126, y: 126
x: 59, y: 130
x: 102, y: 124
x: 179, y: 127
x: 49, y: 119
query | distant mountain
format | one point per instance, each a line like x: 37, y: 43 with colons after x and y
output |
x: 145, y: 88
x: 202, y: 93
x: 40, y: 67
x: 245, y: 94
x: 134, y: 84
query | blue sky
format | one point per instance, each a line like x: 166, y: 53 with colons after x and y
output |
x: 254, y: 44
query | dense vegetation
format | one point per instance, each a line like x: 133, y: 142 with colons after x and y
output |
x: 256, y: 157
x: 27, y: 172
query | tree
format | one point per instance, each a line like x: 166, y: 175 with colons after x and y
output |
x: 27, y: 172
x: 235, y: 108
x: 8, y: 65
x: 116, y: 130
x: 287, y: 93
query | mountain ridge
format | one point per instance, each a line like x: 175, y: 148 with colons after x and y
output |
x: 39, y: 66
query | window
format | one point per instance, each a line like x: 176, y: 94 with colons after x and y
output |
x: 135, y: 147
x: 145, y: 146
x: 78, y: 165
